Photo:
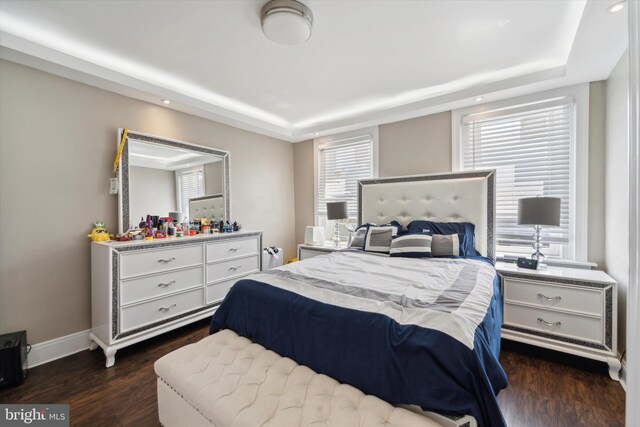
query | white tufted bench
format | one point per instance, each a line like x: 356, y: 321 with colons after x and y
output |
x: 226, y: 380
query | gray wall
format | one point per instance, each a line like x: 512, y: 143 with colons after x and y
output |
x: 213, y: 178
x: 617, y: 187
x: 56, y: 154
x: 151, y: 191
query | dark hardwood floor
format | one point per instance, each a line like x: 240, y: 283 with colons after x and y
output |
x: 546, y: 389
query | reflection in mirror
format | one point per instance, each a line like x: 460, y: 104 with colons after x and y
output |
x: 167, y: 178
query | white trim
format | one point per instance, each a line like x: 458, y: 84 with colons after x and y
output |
x: 579, y: 201
x: 337, y: 139
x: 57, y: 348
x: 632, y: 368
x: 623, y: 373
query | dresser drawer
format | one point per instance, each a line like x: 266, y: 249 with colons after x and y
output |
x: 134, y: 290
x: 232, y: 248
x: 545, y: 294
x: 232, y: 268
x: 134, y: 316
x: 155, y: 261
x: 217, y: 291
x: 558, y: 323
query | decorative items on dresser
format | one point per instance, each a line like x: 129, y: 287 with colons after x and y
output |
x: 563, y: 309
x: 144, y: 288
x: 309, y: 251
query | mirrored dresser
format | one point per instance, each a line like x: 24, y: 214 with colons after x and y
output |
x: 142, y: 288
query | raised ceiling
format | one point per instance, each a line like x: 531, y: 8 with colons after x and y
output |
x: 366, y: 62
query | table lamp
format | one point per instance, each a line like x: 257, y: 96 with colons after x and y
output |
x: 337, y: 211
x: 538, y: 211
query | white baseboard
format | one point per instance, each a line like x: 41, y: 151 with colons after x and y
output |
x: 623, y: 375
x: 58, y: 348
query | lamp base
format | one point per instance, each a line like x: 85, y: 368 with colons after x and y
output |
x: 336, y: 235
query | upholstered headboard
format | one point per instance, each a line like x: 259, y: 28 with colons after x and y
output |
x: 447, y: 197
x: 211, y: 206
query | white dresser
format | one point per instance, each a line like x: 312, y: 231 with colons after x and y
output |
x: 144, y: 288
x: 563, y: 309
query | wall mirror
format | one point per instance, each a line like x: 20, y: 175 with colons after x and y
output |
x: 164, y: 177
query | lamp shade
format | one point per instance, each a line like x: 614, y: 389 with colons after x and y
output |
x: 539, y: 211
x: 337, y: 210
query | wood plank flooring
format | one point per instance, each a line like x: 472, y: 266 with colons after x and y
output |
x: 547, y: 389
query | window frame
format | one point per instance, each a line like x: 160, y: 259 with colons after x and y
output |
x: 336, y: 140
x: 579, y: 197
x: 178, y: 173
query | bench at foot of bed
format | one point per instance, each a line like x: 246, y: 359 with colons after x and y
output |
x: 226, y: 380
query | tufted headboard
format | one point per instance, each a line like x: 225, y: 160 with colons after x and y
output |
x: 211, y: 206
x: 446, y: 197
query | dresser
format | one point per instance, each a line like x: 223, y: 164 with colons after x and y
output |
x: 564, y: 309
x: 144, y: 288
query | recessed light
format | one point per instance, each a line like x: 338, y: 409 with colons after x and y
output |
x: 166, y: 101
x: 616, y: 7
x: 316, y: 134
x: 477, y: 98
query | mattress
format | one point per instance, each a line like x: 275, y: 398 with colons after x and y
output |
x: 422, y: 332
x: 226, y: 380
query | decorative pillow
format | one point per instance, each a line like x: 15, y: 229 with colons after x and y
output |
x: 446, y: 245
x: 466, y: 229
x: 411, y: 246
x: 378, y: 239
x: 359, y: 237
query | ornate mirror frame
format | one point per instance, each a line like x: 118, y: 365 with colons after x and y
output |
x: 123, y: 171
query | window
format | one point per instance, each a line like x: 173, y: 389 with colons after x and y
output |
x: 340, y: 161
x: 190, y: 184
x: 533, y: 144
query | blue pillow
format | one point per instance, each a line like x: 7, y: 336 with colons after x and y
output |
x: 394, y: 223
x: 464, y: 230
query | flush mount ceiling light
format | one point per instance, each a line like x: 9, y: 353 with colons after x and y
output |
x: 166, y: 101
x: 286, y: 21
x: 617, y: 7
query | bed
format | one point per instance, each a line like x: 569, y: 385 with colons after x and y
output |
x: 421, y: 333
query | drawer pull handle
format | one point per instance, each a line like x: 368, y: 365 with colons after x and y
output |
x: 557, y: 298
x: 165, y: 309
x: 166, y: 285
x: 237, y: 267
x: 167, y: 261
x: 234, y: 249
x: 541, y: 320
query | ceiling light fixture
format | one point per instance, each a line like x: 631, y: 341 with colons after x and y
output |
x: 477, y: 98
x: 617, y: 7
x: 286, y: 21
x: 166, y: 101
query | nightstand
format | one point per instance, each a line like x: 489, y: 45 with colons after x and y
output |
x: 309, y: 251
x: 562, y: 309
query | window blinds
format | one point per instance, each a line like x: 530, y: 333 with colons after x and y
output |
x: 340, y: 165
x: 190, y: 185
x: 530, y: 146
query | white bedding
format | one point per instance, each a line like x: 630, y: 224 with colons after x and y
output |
x: 450, y: 295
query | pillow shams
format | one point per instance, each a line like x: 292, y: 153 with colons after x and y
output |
x: 411, y: 246
x: 465, y: 230
x: 359, y: 238
x: 378, y: 239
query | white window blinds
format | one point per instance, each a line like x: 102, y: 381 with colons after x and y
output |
x: 530, y: 146
x: 340, y: 165
x: 190, y: 184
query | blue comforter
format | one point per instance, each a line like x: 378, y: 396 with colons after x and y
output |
x: 399, y: 363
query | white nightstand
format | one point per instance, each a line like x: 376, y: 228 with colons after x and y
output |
x: 309, y: 251
x: 563, y: 309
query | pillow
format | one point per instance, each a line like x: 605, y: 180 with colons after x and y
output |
x: 447, y: 228
x: 411, y: 246
x: 378, y: 239
x: 357, y: 242
x: 447, y: 245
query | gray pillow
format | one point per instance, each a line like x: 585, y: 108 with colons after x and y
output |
x: 445, y: 245
x: 378, y: 239
x: 358, y: 238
